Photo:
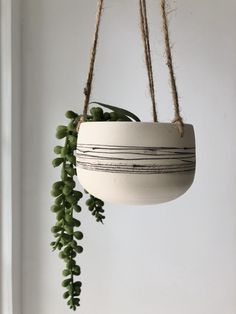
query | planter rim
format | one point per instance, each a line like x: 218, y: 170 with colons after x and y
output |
x: 135, y: 122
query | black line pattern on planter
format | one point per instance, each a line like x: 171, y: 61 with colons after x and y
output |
x: 135, y: 159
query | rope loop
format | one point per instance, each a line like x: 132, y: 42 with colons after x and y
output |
x: 180, y: 125
x: 89, y: 83
x: 147, y: 51
x: 178, y: 120
x: 169, y: 62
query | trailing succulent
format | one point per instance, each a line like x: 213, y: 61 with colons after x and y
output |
x: 66, y: 205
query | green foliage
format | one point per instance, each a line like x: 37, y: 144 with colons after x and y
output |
x: 121, y: 114
x: 67, y: 197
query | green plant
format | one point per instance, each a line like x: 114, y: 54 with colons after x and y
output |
x: 66, y: 205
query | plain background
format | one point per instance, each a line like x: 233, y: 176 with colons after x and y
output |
x: 175, y: 258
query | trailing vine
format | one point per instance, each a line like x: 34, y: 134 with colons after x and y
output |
x: 66, y: 205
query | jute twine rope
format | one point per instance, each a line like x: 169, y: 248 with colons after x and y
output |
x: 177, y: 119
x: 89, y: 83
x: 147, y: 51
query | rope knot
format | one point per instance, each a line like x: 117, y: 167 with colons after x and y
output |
x: 81, y: 120
x: 180, y: 125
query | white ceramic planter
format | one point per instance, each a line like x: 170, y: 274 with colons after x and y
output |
x: 135, y: 162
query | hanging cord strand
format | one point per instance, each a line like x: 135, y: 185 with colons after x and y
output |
x: 147, y: 50
x: 177, y: 119
x: 89, y: 83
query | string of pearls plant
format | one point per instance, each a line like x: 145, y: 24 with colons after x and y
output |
x: 66, y: 205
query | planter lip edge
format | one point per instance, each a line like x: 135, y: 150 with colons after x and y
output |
x: 136, y: 122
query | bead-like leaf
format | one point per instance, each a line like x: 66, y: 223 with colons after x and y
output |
x: 66, y: 282
x: 71, y: 114
x: 57, y: 162
x: 78, y: 235
x: 66, y: 295
x: 61, y: 131
x: 57, y: 150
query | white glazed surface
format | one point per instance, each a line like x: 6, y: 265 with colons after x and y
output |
x: 135, y: 162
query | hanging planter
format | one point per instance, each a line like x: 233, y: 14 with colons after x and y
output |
x: 136, y: 162
x: 117, y: 158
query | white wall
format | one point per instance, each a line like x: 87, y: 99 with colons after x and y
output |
x: 10, y: 159
x: 176, y: 258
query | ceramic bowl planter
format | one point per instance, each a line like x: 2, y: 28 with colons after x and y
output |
x: 135, y: 163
